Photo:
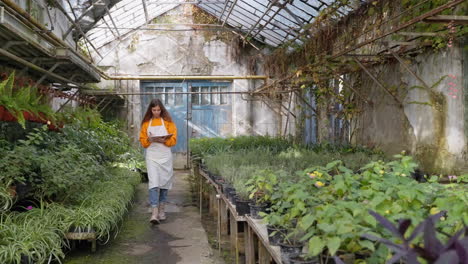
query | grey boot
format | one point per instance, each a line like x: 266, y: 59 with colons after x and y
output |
x: 162, y: 213
x: 154, y: 216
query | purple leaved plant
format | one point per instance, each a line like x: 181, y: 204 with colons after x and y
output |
x: 455, y: 251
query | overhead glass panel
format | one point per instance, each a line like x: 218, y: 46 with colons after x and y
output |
x: 267, y: 21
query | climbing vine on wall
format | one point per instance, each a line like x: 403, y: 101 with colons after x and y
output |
x: 310, y: 66
x: 439, y: 41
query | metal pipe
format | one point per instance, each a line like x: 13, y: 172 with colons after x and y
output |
x: 188, y: 77
x: 156, y: 93
x: 168, y: 27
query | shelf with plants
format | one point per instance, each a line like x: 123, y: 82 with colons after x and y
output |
x: 79, y: 180
x: 23, y: 104
x: 318, y: 198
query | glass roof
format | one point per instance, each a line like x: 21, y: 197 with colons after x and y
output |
x: 272, y: 22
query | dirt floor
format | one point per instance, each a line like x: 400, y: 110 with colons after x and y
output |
x: 180, y: 239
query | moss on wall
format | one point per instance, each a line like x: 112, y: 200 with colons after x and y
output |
x: 434, y: 157
x: 201, y: 17
x: 133, y: 43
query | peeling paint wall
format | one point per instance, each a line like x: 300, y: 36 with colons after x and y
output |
x: 430, y: 124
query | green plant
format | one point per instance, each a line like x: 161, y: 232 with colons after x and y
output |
x: 23, y: 99
x: 29, y: 238
x: 262, y: 185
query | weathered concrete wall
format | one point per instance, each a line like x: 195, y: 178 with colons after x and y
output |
x: 153, y: 52
x: 430, y: 124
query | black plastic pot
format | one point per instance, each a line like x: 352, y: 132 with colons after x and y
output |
x: 242, y: 206
x: 26, y: 260
x: 275, y: 234
x: 232, y: 196
x: 227, y: 187
x: 298, y: 259
x: 255, y: 209
x: 288, y: 251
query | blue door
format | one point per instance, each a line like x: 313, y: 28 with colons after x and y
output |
x: 210, y: 113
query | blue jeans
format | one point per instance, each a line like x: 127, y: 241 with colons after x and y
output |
x: 157, y: 195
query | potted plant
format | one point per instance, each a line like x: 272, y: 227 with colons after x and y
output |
x: 291, y: 246
x: 261, y: 187
x: 277, y: 226
x: 242, y: 198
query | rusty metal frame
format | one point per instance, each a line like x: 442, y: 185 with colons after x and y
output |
x: 398, y: 28
x: 66, y: 102
x: 263, y: 15
x: 376, y: 80
x: 229, y: 12
x: 62, y: 9
x: 410, y: 71
x: 112, y: 21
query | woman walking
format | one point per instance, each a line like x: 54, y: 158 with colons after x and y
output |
x: 158, y: 134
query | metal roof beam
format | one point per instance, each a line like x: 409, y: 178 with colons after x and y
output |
x: 145, y: 10
x: 77, y: 20
x: 76, y: 23
x: 224, y: 9
x: 62, y: 9
x: 112, y: 20
x: 108, y: 27
x: 265, y: 33
x: 278, y: 15
x: 234, y: 15
x: 229, y: 13
x: 280, y: 7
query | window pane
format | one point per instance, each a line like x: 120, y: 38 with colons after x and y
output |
x: 159, y: 96
x: 170, y: 95
x: 179, y: 98
x: 196, y: 97
x: 215, y: 97
x: 224, y: 97
x: 205, y: 97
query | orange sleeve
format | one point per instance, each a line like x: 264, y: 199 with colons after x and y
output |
x: 171, y: 129
x: 144, y: 135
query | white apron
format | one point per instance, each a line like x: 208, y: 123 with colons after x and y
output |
x: 159, y: 159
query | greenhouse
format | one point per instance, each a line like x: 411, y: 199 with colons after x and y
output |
x: 234, y: 131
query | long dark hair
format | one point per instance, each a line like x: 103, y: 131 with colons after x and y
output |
x: 164, y: 113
